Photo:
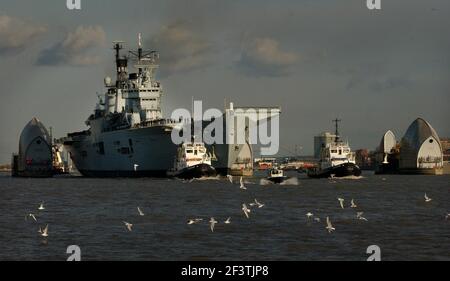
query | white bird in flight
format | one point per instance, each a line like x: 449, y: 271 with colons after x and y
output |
x: 246, y: 210
x: 44, y: 233
x: 309, y: 215
x: 258, y: 204
x: 31, y: 216
x: 427, y: 199
x: 341, y: 201
x: 228, y: 221
x: 242, y: 184
x: 212, y: 223
x: 140, y: 212
x: 129, y: 226
x: 330, y: 227
x: 353, y: 205
x: 41, y: 206
x: 317, y: 219
x: 135, y: 167
x: 230, y: 178
x: 360, y: 217
x: 194, y: 221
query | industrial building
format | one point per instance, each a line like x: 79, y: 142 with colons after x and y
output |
x: 322, y: 141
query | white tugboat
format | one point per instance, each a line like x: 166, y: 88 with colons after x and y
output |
x: 192, y: 161
x: 276, y: 175
x: 336, y: 160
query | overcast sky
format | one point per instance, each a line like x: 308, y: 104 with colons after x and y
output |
x: 317, y: 59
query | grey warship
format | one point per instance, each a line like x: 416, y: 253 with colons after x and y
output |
x: 127, y: 134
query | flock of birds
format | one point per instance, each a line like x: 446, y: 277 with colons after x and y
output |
x: 246, y: 210
x: 329, y: 225
x: 359, y: 215
x: 42, y: 231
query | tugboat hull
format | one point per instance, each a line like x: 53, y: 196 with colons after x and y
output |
x: 276, y: 179
x: 197, y: 171
x: 339, y: 171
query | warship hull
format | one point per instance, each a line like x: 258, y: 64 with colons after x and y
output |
x: 140, y: 152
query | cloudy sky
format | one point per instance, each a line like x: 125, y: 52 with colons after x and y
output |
x: 317, y: 59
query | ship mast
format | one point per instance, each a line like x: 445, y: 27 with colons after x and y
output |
x: 121, y: 64
x: 336, y: 121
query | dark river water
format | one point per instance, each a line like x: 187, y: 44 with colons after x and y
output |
x: 89, y: 213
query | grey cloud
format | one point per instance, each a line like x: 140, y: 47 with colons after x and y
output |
x: 376, y: 78
x: 75, y: 48
x: 16, y: 34
x: 389, y: 83
x: 181, y: 49
x: 264, y: 57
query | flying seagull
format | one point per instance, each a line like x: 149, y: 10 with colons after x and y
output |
x: 41, y: 206
x: 136, y: 167
x: 427, y: 199
x: 353, y: 205
x: 259, y: 204
x: 140, y: 212
x: 45, y: 232
x: 212, y: 223
x: 230, y: 178
x: 309, y: 215
x: 228, y: 221
x: 128, y: 225
x: 194, y: 221
x: 341, y: 201
x: 329, y: 227
x: 246, y: 210
x: 360, y: 217
x: 33, y: 216
x: 242, y: 184
x: 317, y: 219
